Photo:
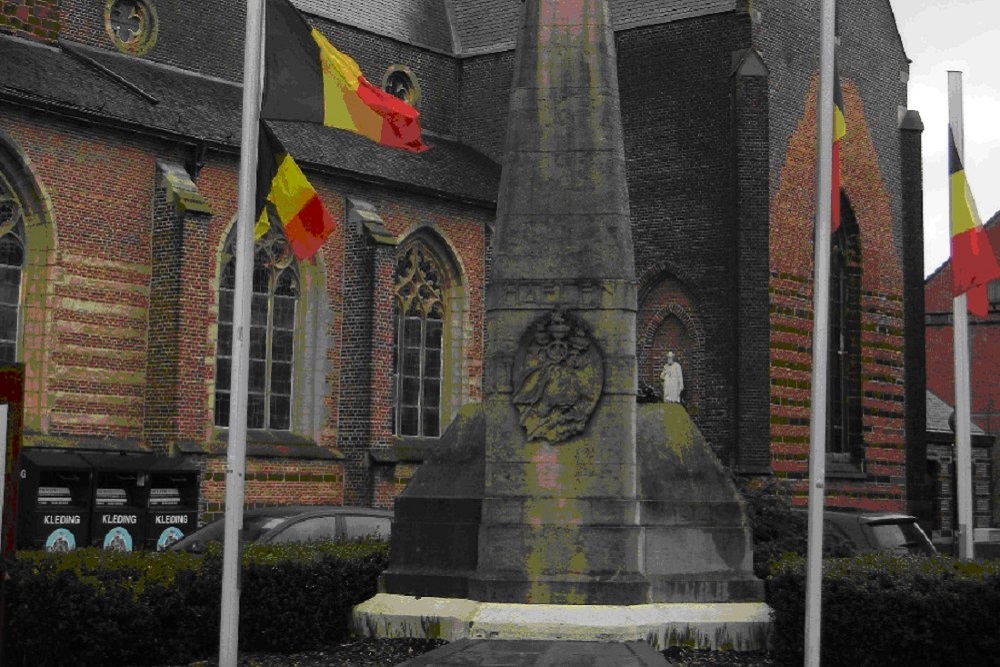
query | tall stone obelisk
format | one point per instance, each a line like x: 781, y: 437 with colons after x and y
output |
x: 559, y: 490
x: 559, y: 512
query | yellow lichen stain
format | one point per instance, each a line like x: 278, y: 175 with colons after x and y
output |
x: 679, y: 431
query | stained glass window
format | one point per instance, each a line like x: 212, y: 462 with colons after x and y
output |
x: 11, y: 263
x: 272, y: 334
x: 420, y: 312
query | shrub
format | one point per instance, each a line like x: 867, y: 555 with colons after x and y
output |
x: 778, y: 529
x: 879, y: 609
x: 104, y: 608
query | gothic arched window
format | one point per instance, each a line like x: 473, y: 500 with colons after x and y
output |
x: 844, y: 434
x: 420, y: 314
x: 11, y: 264
x: 272, y: 333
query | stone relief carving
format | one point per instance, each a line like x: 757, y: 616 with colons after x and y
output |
x: 558, y: 376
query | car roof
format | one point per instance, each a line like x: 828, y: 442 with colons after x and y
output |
x: 294, y: 510
x: 268, y: 518
x: 850, y: 513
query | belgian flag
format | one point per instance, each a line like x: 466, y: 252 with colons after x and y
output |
x: 973, y: 263
x: 839, y: 131
x: 307, y: 79
x: 284, y: 194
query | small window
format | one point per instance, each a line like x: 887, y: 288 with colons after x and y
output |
x: 400, y: 82
x: 131, y: 25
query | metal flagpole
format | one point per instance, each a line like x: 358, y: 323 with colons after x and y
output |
x: 963, y: 418
x: 821, y: 333
x: 236, y: 451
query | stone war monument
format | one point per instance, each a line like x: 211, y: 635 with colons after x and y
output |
x: 560, y: 508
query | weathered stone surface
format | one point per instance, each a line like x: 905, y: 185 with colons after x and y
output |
x: 559, y: 489
x: 696, y: 539
x: 742, y: 626
x: 435, y: 536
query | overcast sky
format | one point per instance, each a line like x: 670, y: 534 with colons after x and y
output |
x: 963, y: 35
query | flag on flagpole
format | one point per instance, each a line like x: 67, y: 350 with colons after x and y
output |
x: 307, y: 79
x: 973, y: 262
x: 839, y: 131
x: 284, y: 193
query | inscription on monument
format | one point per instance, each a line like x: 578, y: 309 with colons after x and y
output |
x: 545, y: 294
x: 559, y: 374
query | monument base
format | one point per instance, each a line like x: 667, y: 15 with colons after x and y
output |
x: 740, y: 626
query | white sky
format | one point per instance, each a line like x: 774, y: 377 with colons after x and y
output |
x: 962, y: 35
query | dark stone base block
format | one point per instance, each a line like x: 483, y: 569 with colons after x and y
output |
x: 690, y: 542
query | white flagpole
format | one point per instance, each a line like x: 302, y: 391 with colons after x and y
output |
x: 236, y: 452
x: 960, y: 313
x: 821, y: 333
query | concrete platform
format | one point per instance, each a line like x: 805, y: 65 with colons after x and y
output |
x: 741, y: 626
x: 521, y: 653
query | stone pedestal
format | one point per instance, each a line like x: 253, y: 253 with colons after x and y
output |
x: 741, y: 626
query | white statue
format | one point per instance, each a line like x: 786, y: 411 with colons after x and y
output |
x: 673, y: 380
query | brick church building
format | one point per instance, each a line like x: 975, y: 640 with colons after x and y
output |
x: 119, y: 141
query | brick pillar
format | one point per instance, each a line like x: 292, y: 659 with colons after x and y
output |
x: 751, y: 144
x: 176, y: 341
x: 38, y: 19
x: 366, y: 348
x: 919, y: 497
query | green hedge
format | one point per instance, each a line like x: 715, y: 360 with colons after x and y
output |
x: 101, y: 608
x: 891, y: 610
x: 778, y: 530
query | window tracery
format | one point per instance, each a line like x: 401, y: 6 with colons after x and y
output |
x: 420, y: 313
x: 12, y: 255
x: 273, y: 311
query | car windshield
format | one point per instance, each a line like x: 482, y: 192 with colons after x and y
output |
x: 901, y: 538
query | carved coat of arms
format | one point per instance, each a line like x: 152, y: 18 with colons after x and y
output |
x: 558, y: 376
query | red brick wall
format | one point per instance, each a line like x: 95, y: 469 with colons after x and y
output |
x: 273, y: 482
x: 89, y: 336
x: 368, y: 328
x: 984, y: 346
x: 463, y: 231
x: 38, y: 19
x: 881, y: 305
x: 98, y: 296
x: 390, y: 482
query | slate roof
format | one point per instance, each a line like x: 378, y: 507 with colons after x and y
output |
x: 421, y: 22
x: 468, y: 27
x: 483, y: 26
x: 938, y: 413
x: 202, y: 108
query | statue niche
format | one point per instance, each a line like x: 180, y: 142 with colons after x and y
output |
x: 558, y: 375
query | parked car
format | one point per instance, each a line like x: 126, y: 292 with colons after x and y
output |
x: 295, y: 524
x: 879, y: 531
